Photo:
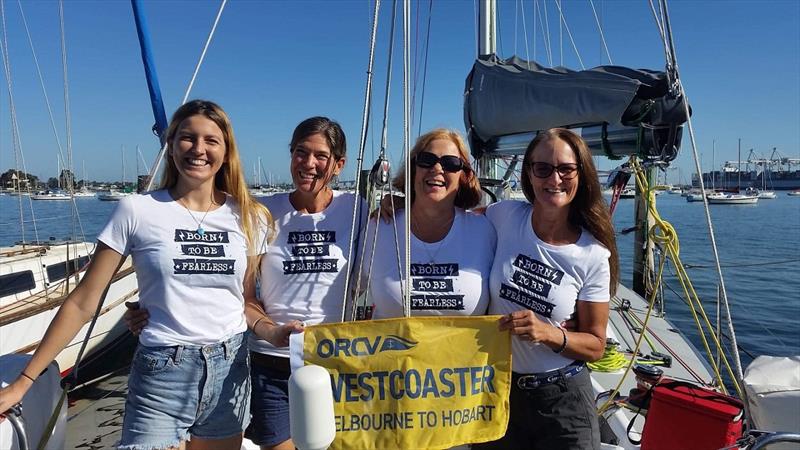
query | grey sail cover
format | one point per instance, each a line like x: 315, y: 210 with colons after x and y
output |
x: 505, y: 97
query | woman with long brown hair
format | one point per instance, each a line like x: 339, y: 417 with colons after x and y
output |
x: 194, y: 244
x: 556, y: 257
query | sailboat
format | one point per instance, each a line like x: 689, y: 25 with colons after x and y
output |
x: 56, y: 194
x: 727, y: 198
x: 114, y: 195
x: 638, y: 328
x: 36, y: 276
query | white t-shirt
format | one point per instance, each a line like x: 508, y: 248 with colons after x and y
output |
x: 547, y: 279
x: 304, y: 269
x: 191, y: 284
x: 449, y: 277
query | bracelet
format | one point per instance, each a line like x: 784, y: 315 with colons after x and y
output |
x: 563, y: 344
x: 255, y: 324
x: 33, y: 380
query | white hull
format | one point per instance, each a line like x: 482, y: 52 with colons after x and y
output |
x: 732, y: 199
x: 112, y: 196
x: 50, y: 197
x: 25, y: 315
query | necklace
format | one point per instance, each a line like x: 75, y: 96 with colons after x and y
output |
x: 200, y: 229
x: 425, y: 245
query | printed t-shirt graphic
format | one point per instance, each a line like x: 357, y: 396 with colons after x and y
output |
x: 533, y: 280
x: 304, y: 268
x: 310, y: 251
x: 448, y: 277
x: 190, y: 283
x: 203, y: 247
x: 432, y: 287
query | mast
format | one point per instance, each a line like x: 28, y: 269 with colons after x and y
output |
x: 487, y: 28
x: 487, y: 45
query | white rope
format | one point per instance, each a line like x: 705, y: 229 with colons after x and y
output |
x: 602, y: 35
x: 157, y: 164
x: 569, y: 34
x: 406, y: 151
x: 360, y: 159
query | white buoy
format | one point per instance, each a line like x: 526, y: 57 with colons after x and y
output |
x: 311, y: 408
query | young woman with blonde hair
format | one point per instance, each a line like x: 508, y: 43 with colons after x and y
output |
x: 194, y: 243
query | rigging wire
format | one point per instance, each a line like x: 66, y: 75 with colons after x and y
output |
x: 68, y: 128
x: 19, y: 155
x: 679, y: 88
x: 516, y: 23
x: 546, y: 31
x: 425, y: 67
x: 407, y: 155
x: 362, y: 143
x: 535, y: 8
x: 560, y: 33
x: 600, y: 29
x: 525, y: 35
x: 160, y: 156
x: 569, y: 34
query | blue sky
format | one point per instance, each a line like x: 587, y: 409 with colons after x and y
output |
x: 274, y: 63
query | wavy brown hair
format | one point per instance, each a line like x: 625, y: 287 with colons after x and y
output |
x: 588, y: 209
x: 229, y: 178
x: 469, y: 190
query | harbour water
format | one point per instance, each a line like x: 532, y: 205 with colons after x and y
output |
x: 759, y: 247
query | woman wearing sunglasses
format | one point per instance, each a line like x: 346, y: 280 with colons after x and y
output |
x: 447, y: 276
x: 557, y: 256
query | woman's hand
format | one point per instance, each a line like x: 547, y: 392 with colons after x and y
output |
x: 278, y: 335
x: 528, y: 327
x: 135, y: 317
x: 12, y: 394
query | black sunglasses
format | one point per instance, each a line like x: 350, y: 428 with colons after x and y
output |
x: 449, y: 163
x: 544, y: 170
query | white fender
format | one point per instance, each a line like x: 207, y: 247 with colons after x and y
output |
x: 311, y: 416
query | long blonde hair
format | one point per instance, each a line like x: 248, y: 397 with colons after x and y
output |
x: 469, y: 190
x: 587, y: 210
x: 229, y: 178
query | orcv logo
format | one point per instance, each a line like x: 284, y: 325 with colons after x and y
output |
x: 363, y: 346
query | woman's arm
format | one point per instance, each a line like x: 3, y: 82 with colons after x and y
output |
x: 78, y: 309
x: 586, y: 344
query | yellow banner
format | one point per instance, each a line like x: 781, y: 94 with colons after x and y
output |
x: 423, y: 382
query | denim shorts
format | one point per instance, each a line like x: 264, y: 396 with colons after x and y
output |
x: 557, y: 415
x: 269, y: 405
x: 179, y: 391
